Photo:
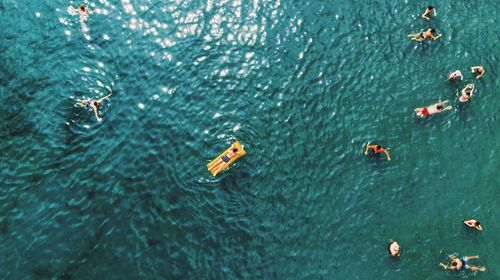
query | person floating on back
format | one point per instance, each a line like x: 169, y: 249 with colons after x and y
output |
x: 455, y: 75
x: 376, y: 150
x: 94, y: 104
x: 473, y: 224
x: 478, y: 69
x: 432, y: 109
x: 428, y: 12
x: 83, y: 11
x: 394, y: 249
x: 467, y: 92
x: 461, y: 264
x: 219, y: 165
x: 424, y: 35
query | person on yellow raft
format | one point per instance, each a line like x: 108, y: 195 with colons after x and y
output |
x: 375, y: 151
x: 219, y: 165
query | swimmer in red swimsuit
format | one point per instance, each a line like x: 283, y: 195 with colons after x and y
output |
x: 432, y: 109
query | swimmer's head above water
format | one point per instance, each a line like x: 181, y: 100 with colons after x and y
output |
x: 235, y: 150
x: 439, y: 107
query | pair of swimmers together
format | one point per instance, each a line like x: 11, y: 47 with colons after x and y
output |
x: 429, y: 34
x: 439, y: 107
x: 476, y: 69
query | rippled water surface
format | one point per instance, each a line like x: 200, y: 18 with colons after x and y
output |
x: 304, y: 85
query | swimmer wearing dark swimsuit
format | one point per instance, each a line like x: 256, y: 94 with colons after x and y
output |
x: 225, y: 159
x: 464, y: 261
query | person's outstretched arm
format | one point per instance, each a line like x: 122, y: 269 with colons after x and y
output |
x: 105, y: 97
x: 473, y: 257
x: 436, y: 37
x: 443, y: 265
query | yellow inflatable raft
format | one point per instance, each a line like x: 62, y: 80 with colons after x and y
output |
x: 218, y: 160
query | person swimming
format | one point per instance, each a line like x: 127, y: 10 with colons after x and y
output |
x: 462, y: 263
x: 473, y: 224
x: 83, y: 9
x: 428, y: 12
x: 432, y: 109
x: 219, y: 165
x: 93, y: 104
x: 467, y: 92
x: 424, y: 35
x: 394, y: 249
x: 478, y: 69
x: 455, y: 75
x: 376, y: 150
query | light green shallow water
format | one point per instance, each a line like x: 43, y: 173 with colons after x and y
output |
x: 304, y: 85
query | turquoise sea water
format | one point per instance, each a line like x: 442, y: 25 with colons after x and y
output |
x: 304, y: 85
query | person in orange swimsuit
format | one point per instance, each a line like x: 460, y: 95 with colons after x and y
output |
x: 376, y: 150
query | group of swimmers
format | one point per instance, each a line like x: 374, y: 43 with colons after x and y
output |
x: 466, y: 94
x: 394, y: 248
x: 455, y: 262
x: 89, y: 103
